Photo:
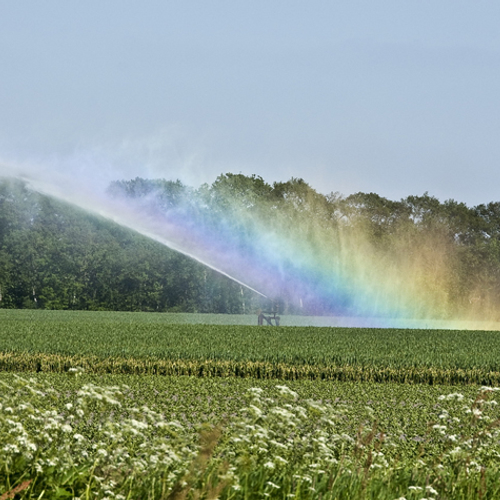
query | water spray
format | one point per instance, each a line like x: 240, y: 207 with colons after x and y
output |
x: 324, y: 268
x: 122, y: 215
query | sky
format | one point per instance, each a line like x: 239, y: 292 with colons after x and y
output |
x: 393, y: 97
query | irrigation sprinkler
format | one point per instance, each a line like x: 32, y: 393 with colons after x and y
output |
x: 271, y: 314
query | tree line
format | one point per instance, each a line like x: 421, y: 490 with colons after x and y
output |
x: 55, y: 256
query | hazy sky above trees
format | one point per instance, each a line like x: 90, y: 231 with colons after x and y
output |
x: 395, y: 97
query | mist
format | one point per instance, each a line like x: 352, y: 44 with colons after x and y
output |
x: 325, y: 263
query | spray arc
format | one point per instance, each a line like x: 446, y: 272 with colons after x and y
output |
x: 135, y: 218
x: 336, y: 272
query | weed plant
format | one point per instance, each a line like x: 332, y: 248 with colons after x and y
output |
x: 96, y: 442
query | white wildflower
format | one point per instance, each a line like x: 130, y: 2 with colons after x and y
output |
x: 137, y: 424
x: 12, y: 448
x: 439, y: 427
x: 257, y: 391
x: 256, y: 411
x: 31, y: 446
x: 286, y: 391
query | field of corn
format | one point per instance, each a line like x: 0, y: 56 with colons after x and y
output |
x: 141, y: 343
x: 90, y: 408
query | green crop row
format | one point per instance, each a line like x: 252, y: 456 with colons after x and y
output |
x: 57, y: 363
x: 149, y: 335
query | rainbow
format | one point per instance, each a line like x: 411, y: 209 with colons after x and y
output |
x: 337, y: 273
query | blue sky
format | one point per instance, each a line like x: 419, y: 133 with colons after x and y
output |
x: 393, y: 97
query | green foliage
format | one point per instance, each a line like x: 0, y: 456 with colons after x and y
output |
x: 210, y: 368
x: 54, y: 256
x: 142, y: 437
x: 137, y: 343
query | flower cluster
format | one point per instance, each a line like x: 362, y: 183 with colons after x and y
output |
x: 97, y: 442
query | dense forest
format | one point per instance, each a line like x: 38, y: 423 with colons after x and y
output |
x: 56, y: 256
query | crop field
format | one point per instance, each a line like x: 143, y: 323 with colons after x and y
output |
x: 155, y: 343
x: 86, y: 412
